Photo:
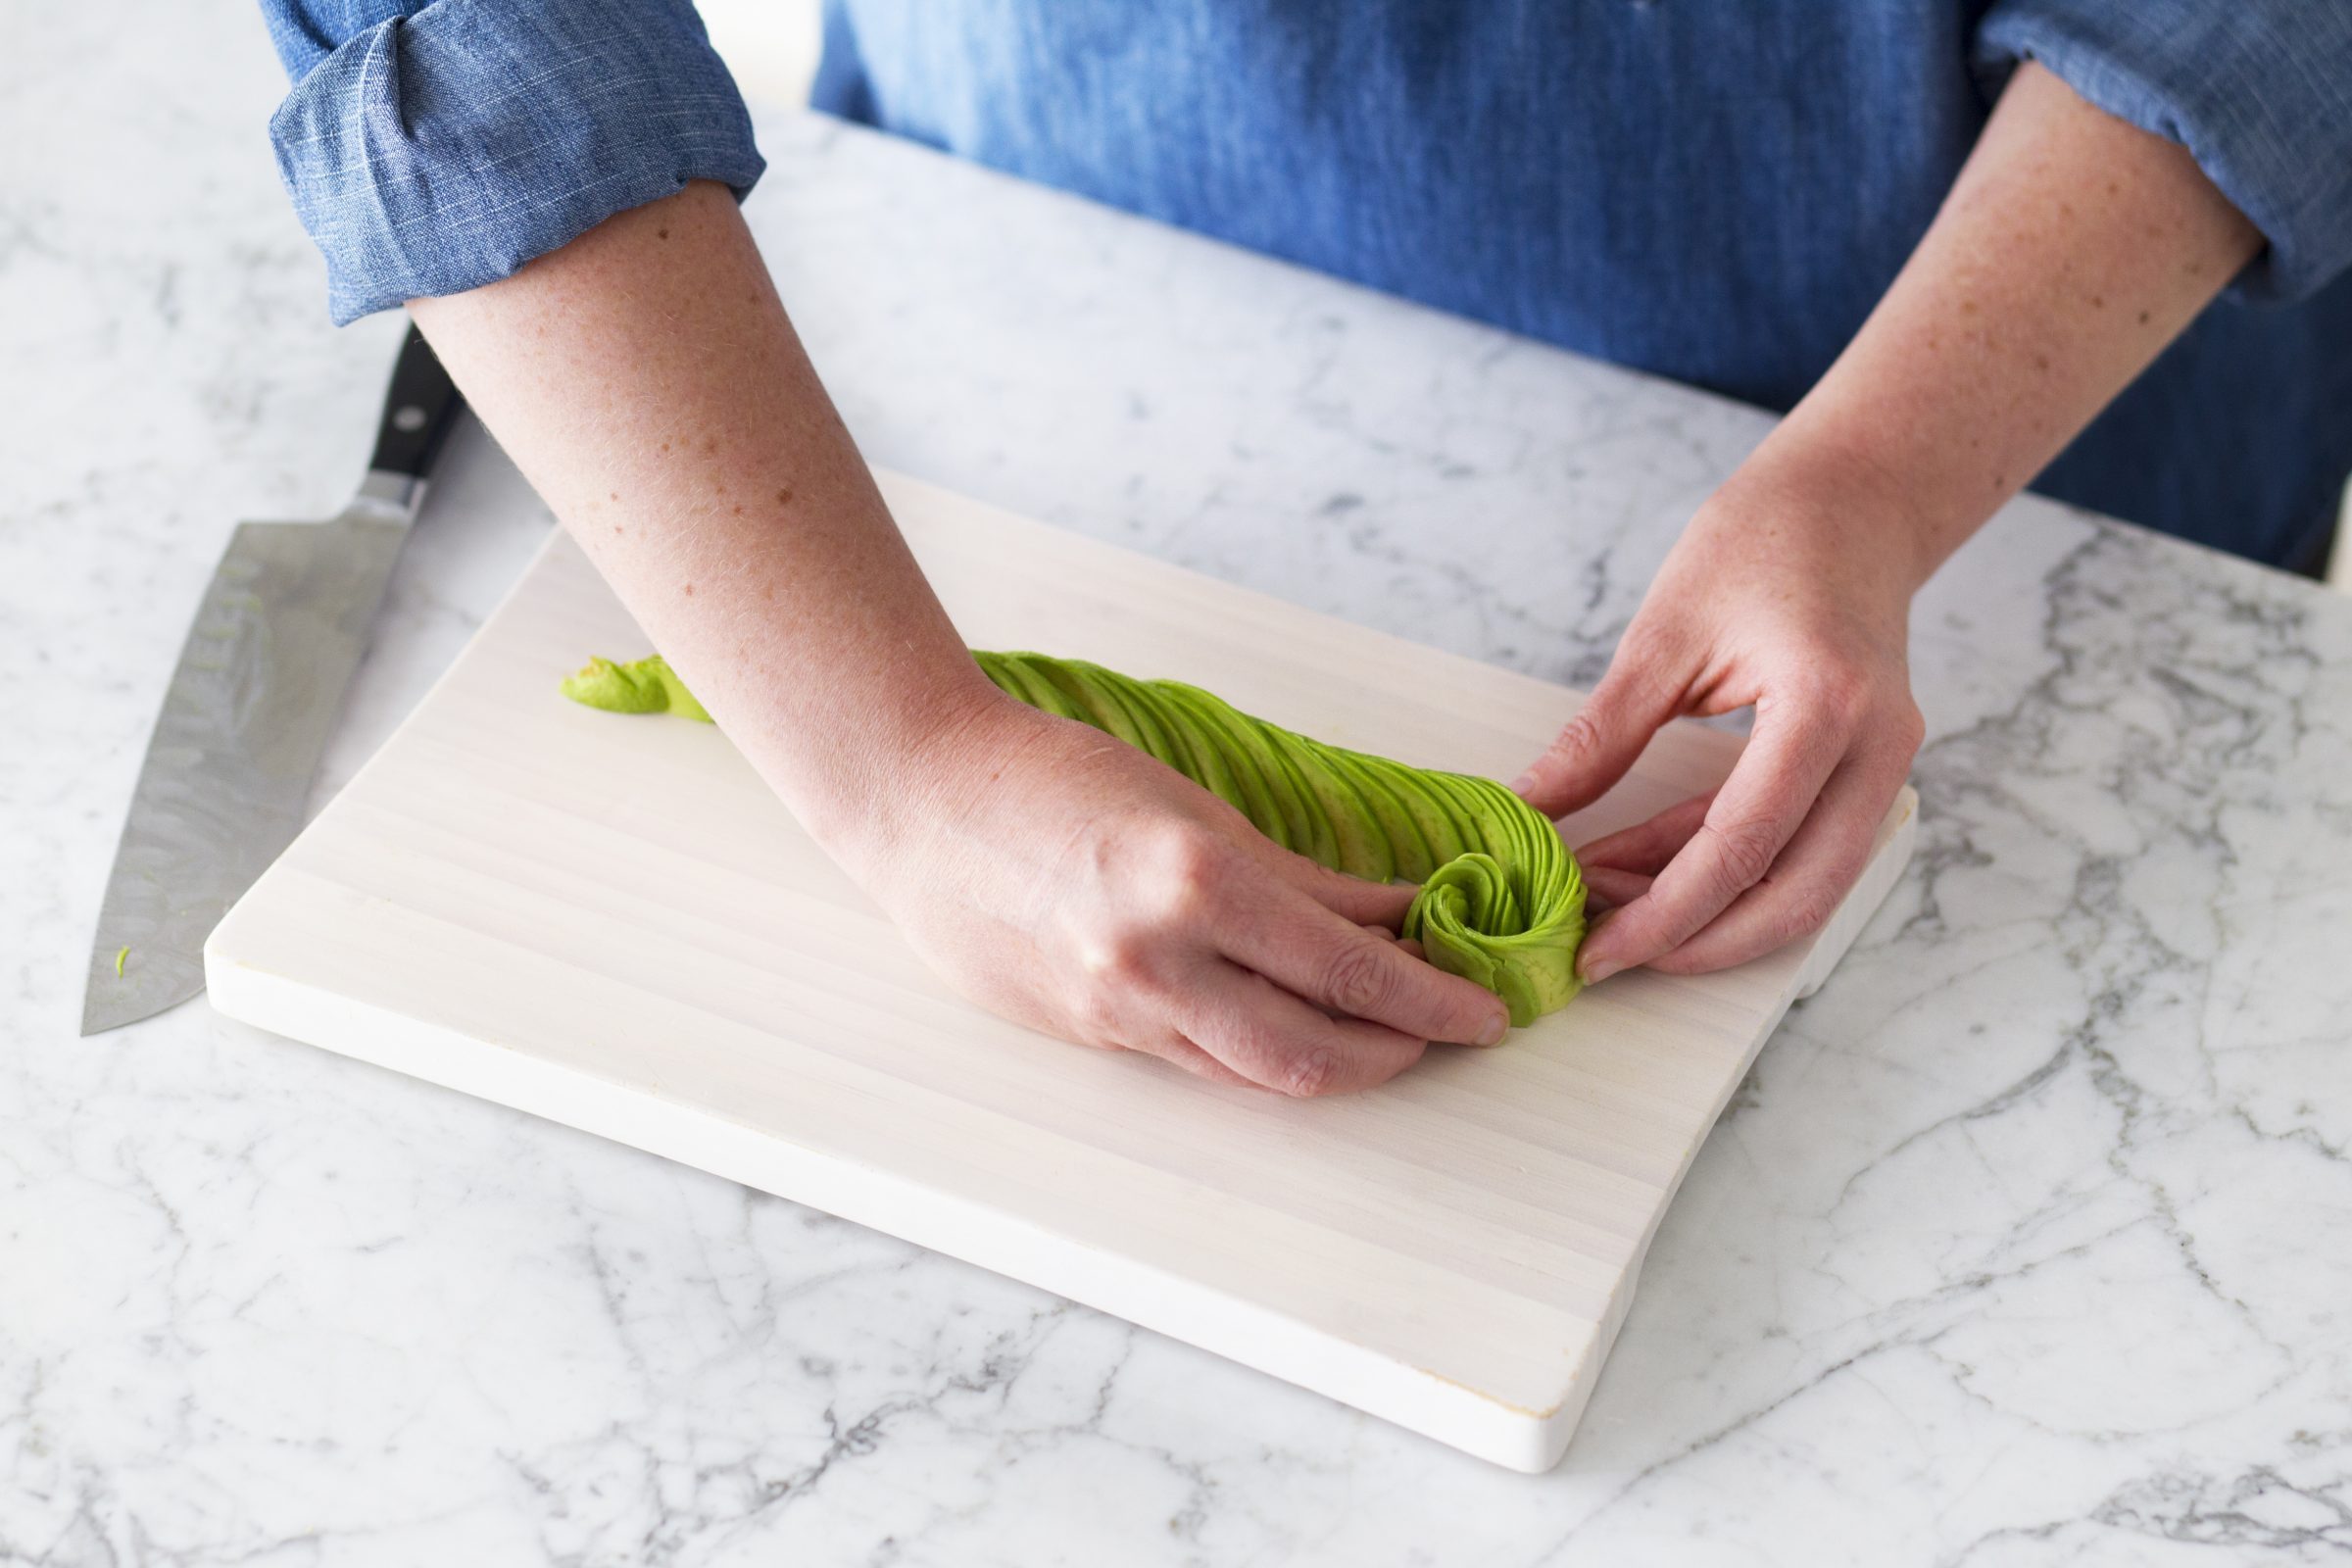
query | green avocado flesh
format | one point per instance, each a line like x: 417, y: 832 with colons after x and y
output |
x: 644, y: 686
x: 1502, y: 901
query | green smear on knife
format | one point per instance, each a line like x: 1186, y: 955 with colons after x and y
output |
x: 646, y: 686
x: 121, y: 953
x: 1501, y: 899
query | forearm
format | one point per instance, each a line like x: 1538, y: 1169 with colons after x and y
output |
x: 645, y: 378
x: 647, y: 381
x: 2071, y: 250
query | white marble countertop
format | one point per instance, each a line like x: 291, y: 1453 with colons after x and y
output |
x: 2028, y: 1241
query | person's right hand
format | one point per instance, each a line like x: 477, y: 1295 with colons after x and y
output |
x: 1066, y: 880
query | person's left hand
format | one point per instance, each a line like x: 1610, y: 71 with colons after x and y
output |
x: 1799, y: 607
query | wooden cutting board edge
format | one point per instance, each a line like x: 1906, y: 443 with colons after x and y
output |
x: 1530, y: 1441
x: 929, y: 1217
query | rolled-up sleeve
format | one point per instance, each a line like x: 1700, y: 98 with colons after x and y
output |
x: 2258, y: 91
x: 440, y: 147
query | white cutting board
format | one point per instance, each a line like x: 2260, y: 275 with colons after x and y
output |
x: 611, y: 922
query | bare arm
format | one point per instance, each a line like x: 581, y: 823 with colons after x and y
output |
x: 647, y: 381
x: 2071, y: 250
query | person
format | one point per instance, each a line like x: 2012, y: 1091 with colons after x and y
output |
x: 1944, y: 235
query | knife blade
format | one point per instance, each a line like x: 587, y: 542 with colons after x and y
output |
x: 252, y: 704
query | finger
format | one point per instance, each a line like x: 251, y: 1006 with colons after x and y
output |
x: 1311, y: 953
x: 1612, y: 889
x: 1603, y: 738
x: 1753, y: 816
x: 1364, y: 903
x: 1273, y: 1039
x: 1379, y: 932
x: 1597, y: 924
x: 1647, y: 847
x: 1811, y: 876
x: 1175, y: 1048
x: 1412, y: 948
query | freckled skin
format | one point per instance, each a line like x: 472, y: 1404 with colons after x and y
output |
x: 2028, y: 260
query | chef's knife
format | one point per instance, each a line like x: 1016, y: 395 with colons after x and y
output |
x: 251, y: 708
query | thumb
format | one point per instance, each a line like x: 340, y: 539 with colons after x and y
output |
x: 1600, y: 741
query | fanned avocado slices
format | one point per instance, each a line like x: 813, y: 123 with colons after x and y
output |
x: 1501, y: 899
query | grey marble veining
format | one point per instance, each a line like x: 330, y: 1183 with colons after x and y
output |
x: 2028, y: 1242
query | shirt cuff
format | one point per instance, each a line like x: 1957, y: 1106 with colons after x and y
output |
x: 437, y: 152
x: 2258, y: 91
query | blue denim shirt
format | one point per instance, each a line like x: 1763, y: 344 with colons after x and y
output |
x: 1717, y: 194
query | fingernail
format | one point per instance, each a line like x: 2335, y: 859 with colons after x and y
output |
x: 1524, y: 783
x: 1491, y: 1034
x: 1599, y: 970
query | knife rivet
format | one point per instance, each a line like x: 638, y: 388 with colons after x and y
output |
x: 408, y: 418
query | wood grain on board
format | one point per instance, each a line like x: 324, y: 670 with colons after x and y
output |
x: 609, y: 921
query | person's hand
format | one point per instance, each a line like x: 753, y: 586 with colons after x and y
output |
x: 1061, y: 878
x: 1799, y: 607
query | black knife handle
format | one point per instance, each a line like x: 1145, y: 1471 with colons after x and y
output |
x: 419, y: 407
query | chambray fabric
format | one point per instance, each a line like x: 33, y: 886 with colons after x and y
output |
x: 431, y: 149
x: 1716, y: 193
